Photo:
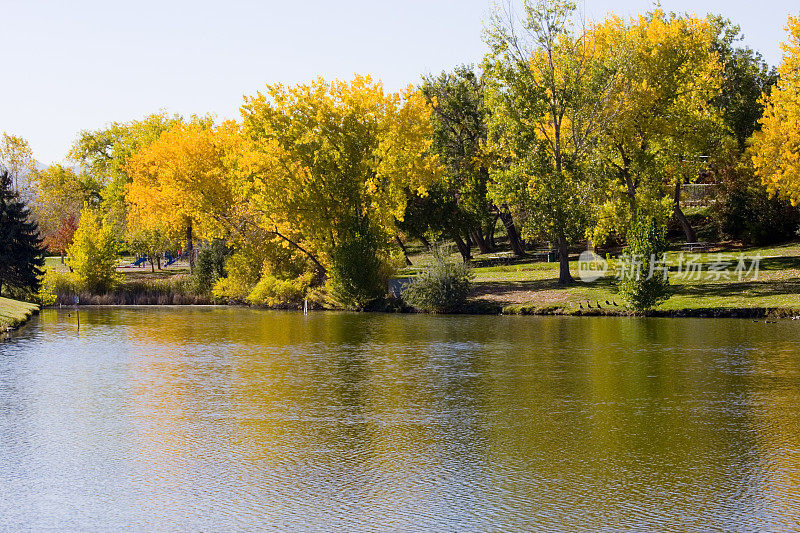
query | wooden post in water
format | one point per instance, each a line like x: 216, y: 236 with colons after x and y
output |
x: 77, y: 312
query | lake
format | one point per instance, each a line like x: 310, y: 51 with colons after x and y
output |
x: 220, y: 419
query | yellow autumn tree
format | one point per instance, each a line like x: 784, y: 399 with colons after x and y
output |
x: 775, y: 148
x: 17, y: 158
x: 181, y: 184
x: 664, y: 113
x: 327, y: 169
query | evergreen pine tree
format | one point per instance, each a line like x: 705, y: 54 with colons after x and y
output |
x: 21, y: 251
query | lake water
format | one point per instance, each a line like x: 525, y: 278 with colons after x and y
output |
x: 217, y: 419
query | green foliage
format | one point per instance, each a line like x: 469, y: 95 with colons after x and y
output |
x: 53, y: 283
x: 745, y: 77
x: 150, y: 242
x: 21, y: 251
x: 243, y: 273
x: 550, y: 95
x: 357, y: 275
x: 442, y: 287
x: 745, y: 211
x: 614, y: 218
x: 93, y: 254
x: 644, y: 286
x: 459, y: 130
x: 210, y: 265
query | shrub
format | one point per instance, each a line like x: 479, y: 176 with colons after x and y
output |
x: 210, y: 265
x: 442, y: 287
x: 53, y: 282
x: 93, y: 254
x: 646, y: 244
x: 357, y: 273
x: 745, y: 211
x: 271, y: 291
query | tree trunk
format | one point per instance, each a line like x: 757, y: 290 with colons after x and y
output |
x: 158, y: 260
x: 478, y: 239
x: 152, y: 264
x: 468, y: 240
x: 564, y: 276
x: 190, y: 245
x: 687, y: 227
x: 462, y: 247
x: 424, y: 241
x: 403, y: 247
x: 513, y: 234
x: 490, y: 234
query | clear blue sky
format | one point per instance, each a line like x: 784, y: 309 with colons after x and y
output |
x: 73, y: 65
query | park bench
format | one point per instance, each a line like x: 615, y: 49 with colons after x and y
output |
x: 696, y: 247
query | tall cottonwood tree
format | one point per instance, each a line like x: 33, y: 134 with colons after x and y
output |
x: 181, y: 184
x: 328, y: 167
x: 459, y: 136
x: 776, y: 147
x: 550, y: 95
x: 671, y: 75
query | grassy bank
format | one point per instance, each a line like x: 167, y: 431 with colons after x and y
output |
x: 138, y: 286
x: 512, y: 286
x: 505, y: 284
x: 14, y: 313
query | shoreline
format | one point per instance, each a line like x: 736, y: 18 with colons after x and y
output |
x: 14, y: 314
x: 480, y: 308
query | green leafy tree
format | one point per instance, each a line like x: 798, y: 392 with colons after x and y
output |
x: 459, y: 133
x: 94, y: 253
x: 357, y: 269
x: 21, y: 251
x: 211, y: 261
x: 550, y: 94
x: 743, y: 209
x: 645, y: 282
x: 669, y: 75
x: 745, y: 77
x: 104, y: 153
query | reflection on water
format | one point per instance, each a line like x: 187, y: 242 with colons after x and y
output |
x: 221, y: 419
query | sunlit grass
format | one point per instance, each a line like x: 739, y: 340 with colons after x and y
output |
x: 505, y: 280
x: 14, y: 313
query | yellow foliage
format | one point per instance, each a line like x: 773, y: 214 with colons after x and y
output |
x: 323, y: 157
x: 93, y: 254
x: 185, y: 177
x: 776, y: 148
x: 271, y: 291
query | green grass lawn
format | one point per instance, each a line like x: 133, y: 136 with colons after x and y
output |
x: 14, y: 313
x: 532, y: 285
